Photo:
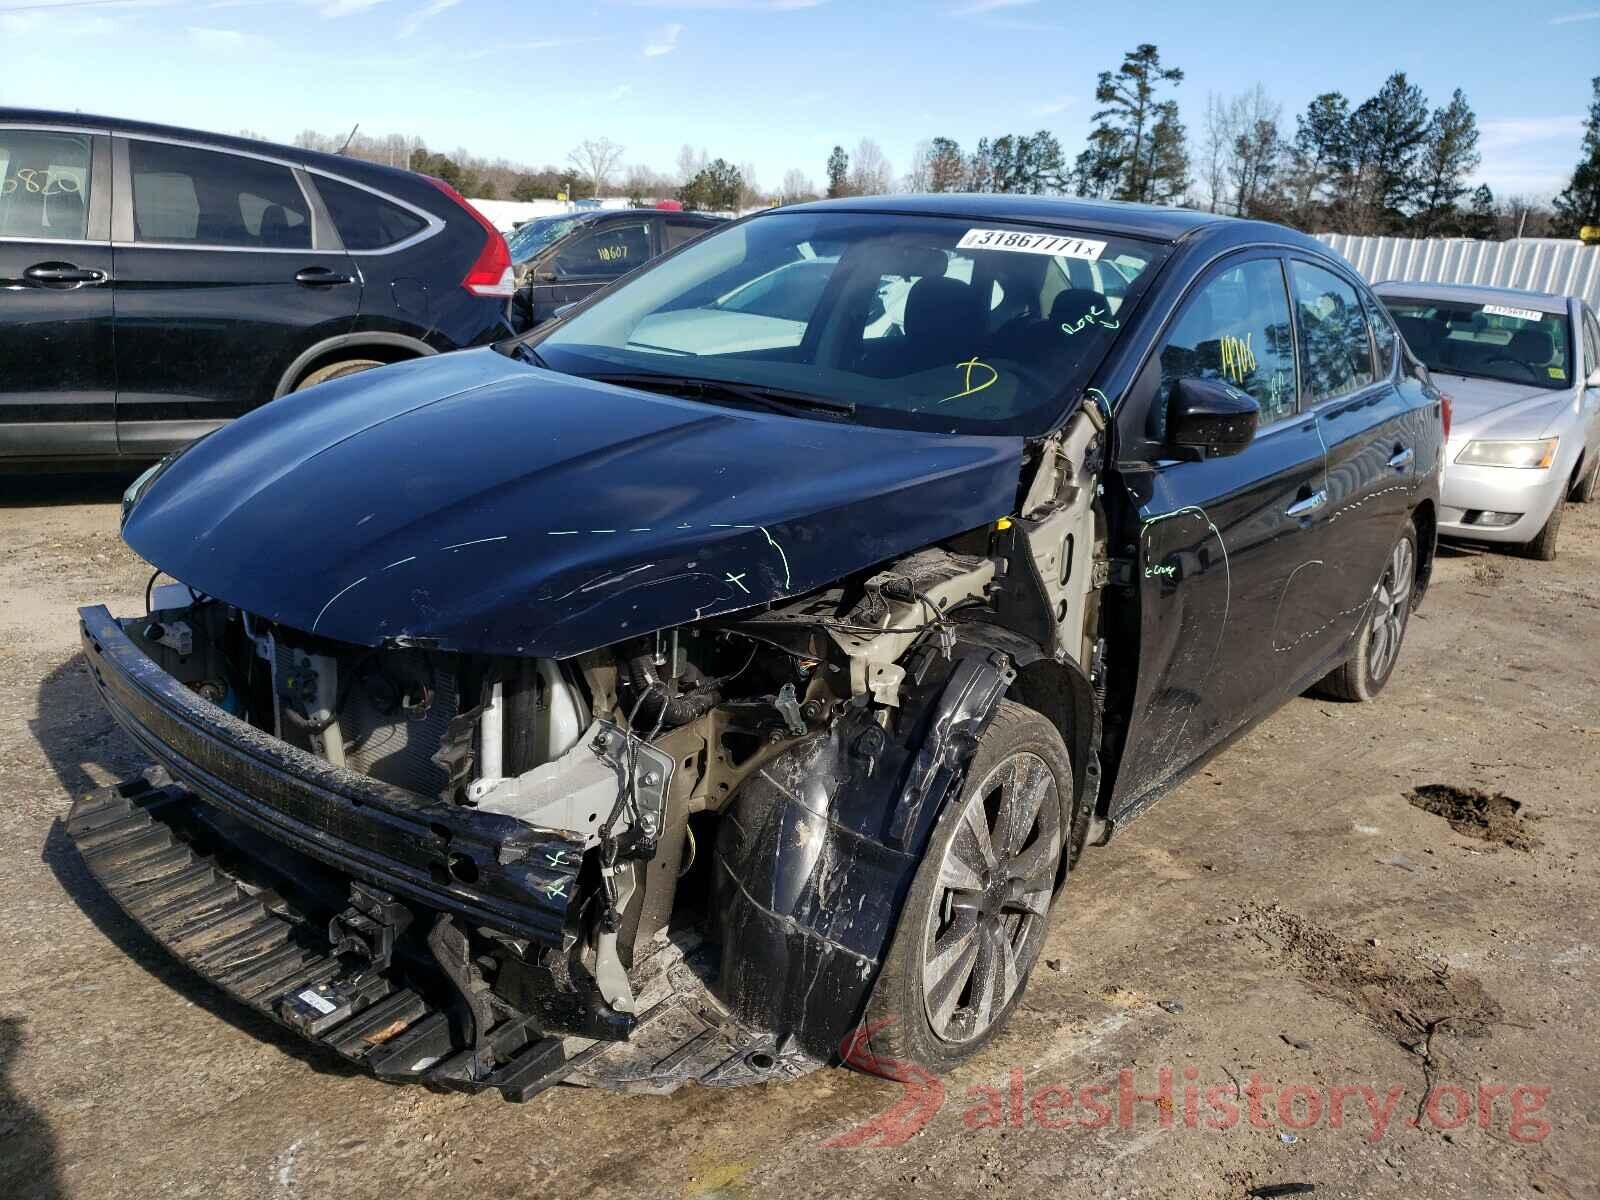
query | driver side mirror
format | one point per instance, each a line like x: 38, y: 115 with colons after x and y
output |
x: 1208, y: 418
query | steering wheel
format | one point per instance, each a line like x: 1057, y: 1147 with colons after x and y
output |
x: 1516, y: 362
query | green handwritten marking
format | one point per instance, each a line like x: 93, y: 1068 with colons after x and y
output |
x: 967, y: 388
x: 1168, y: 569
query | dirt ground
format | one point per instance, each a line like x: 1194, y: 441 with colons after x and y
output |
x: 1400, y: 896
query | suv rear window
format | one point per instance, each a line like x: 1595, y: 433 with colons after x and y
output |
x: 366, y: 221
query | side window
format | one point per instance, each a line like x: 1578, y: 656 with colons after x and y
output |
x: 679, y: 232
x: 1385, y: 341
x: 1333, y: 333
x: 1591, y: 330
x: 366, y: 221
x: 211, y: 198
x: 1236, y: 328
x: 44, y: 184
x: 607, y: 253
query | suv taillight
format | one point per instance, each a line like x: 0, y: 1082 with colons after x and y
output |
x: 491, y: 274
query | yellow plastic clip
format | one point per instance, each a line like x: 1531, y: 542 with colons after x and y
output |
x: 1003, y: 523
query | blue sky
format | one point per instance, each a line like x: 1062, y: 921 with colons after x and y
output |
x: 777, y: 82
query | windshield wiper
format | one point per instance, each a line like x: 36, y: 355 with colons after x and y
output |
x: 776, y: 399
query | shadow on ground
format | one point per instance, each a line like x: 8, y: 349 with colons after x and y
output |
x: 35, y: 489
x: 77, y: 734
x: 27, y: 1146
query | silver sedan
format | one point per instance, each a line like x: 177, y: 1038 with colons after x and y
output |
x: 1523, y: 373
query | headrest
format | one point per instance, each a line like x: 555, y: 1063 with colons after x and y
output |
x: 1531, y: 346
x: 1074, y: 304
x: 936, y: 306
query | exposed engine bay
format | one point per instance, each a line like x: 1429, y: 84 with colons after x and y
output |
x: 752, y: 789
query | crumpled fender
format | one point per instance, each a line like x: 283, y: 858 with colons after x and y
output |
x: 818, y: 852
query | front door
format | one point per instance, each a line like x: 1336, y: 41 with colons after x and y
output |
x: 1225, y: 561
x: 576, y: 268
x: 224, y: 277
x: 57, y: 374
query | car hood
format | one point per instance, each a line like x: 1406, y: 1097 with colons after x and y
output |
x: 472, y: 502
x: 1489, y: 408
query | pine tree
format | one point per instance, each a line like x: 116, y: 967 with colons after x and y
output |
x: 1320, y: 153
x: 1481, y: 221
x: 1449, y: 155
x: 1387, y: 134
x: 838, y: 172
x: 1579, y: 204
x: 1128, y: 116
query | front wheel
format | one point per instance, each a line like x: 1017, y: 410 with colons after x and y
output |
x: 1543, y: 547
x: 1362, y: 676
x: 1589, y: 483
x: 975, y: 920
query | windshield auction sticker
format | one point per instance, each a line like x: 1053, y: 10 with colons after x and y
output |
x: 1055, y: 245
x: 1521, y: 314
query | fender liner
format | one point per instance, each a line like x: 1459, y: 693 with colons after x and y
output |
x: 817, y: 854
x: 393, y: 341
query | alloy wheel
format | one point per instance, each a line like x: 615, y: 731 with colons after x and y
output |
x: 1390, y: 607
x: 988, y: 923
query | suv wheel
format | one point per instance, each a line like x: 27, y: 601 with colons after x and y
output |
x: 336, y: 370
x: 975, y: 919
x: 1362, y: 676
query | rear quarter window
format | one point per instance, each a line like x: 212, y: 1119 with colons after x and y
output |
x: 365, y: 220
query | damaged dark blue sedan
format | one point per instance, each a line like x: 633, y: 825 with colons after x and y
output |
x: 723, y: 679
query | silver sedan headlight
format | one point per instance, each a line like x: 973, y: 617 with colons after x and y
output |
x: 1533, y: 455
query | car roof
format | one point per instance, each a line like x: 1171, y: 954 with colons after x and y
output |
x: 1149, y: 221
x: 1471, y: 293
x: 336, y: 163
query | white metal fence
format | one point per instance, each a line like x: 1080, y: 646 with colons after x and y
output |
x: 1537, y: 264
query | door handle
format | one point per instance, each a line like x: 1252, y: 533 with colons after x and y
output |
x: 1304, y: 508
x: 60, y: 272
x: 320, y: 277
x: 1401, y: 459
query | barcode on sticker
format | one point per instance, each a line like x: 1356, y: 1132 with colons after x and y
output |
x: 317, y: 1002
x: 1054, y: 244
x: 1521, y: 314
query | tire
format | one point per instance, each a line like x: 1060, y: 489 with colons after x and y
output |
x: 1007, y: 925
x: 336, y: 370
x: 1587, y: 487
x: 1543, y: 547
x: 1361, y: 677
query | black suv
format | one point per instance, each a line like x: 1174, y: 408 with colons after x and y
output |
x: 563, y: 259
x: 158, y: 282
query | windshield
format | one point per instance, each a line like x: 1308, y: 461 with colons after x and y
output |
x: 533, y: 237
x: 915, y: 322
x: 1486, y: 341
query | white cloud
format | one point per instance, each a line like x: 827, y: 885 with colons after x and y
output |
x: 745, y: 5
x: 1054, y: 108
x: 346, y: 8
x: 1572, y: 18
x: 220, y: 40
x: 666, y: 42
x: 423, y: 15
x: 1510, y: 133
x: 979, y: 7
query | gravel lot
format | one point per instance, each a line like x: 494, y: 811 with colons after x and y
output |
x: 1286, y: 920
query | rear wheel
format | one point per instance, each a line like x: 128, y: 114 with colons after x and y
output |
x: 1362, y: 676
x: 336, y: 370
x: 1543, y: 547
x: 975, y: 920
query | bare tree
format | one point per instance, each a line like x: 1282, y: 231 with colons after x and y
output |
x: 750, y: 195
x: 920, y: 177
x: 595, y: 159
x: 870, y: 173
x: 690, y: 162
x: 797, y: 188
x: 1243, y: 150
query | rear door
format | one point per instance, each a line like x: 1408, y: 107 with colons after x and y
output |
x: 226, y: 271
x: 580, y: 265
x: 1371, y: 420
x: 1226, y: 552
x: 57, y: 372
